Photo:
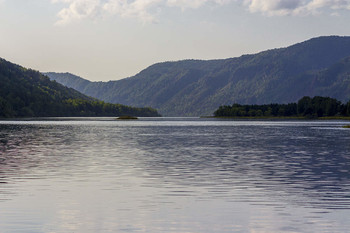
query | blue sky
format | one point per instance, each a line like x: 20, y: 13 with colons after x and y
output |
x: 103, y: 40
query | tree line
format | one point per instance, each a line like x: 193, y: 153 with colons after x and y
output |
x: 70, y: 108
x: 307, y: 107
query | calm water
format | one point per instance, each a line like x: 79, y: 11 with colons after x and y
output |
x: 174, y: 175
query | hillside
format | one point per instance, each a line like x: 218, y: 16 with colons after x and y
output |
x: 28, y: 93
x: 193, y: 87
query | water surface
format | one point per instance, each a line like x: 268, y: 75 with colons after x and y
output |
x: 174, y: 175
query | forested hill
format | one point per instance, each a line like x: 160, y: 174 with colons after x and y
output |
x: 28, y: 93
x: 319, y: 66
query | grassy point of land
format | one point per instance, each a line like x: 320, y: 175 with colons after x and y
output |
x: 127, y: 118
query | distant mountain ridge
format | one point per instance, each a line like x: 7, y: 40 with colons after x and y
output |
x: 319, y: 66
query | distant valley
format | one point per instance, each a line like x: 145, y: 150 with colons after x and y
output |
x: 319, y: 66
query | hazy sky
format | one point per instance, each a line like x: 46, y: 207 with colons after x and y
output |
x: 113, y: 39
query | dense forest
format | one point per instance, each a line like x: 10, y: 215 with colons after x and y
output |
x: 306, y: 107
x: 28, y: 93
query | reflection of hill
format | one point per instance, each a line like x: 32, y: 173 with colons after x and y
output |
x: 36, y: 152
x: 305, y: 165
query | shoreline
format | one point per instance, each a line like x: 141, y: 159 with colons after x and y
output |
x: 278, y: 118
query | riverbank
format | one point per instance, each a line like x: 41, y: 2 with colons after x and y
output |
x: 278, y: 118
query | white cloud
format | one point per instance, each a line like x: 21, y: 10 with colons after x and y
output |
x: 273, y: 7
x: 146, y: 10
x: 143, y: 10
x: 183, y: 4
x: 77, y: 9
x: 295, y: 7
x: 140, y: 9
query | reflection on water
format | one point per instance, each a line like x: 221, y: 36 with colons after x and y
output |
x: 174, y: 175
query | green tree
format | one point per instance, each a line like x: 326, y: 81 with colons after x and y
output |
x: 305, y: 106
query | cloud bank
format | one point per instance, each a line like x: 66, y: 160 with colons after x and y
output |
x: 146, y: 10
x: 295, y: 7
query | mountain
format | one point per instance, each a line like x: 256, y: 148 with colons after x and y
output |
x: 318, y: 66
x: 28, y: 93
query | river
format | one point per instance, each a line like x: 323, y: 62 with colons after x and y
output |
x: 174, y: 175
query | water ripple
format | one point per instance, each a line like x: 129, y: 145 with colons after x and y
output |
x: 174, y: 175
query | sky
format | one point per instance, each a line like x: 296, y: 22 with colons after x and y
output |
x: 102, y: 40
